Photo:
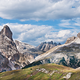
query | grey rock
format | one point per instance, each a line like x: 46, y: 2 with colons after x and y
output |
x: 6, y: 32
x: 70, y: 39
x: 8, y: 49
x: 27, y: 50
x: 45, y: 46
x: 78, y: 35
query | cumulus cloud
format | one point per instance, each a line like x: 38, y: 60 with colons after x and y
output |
x: 39, y: 9
x: 63, y: 33
x: 35, y: 34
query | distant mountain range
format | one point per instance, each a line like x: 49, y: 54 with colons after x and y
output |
x: 45, y: 46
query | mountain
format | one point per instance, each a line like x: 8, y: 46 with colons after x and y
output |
x: 42, y: 72
x: 27, y: 49
x: 23, y: 47
x: 17, y: 54
x: 7, y: 32
x: 45, y: 46
x: 67, y: 54
x: 10, y: 57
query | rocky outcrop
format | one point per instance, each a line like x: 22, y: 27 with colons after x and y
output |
x: 67, y: 76
x: 70, y: 39
x: 45, y: 46
x: 8, y: 49
x: 6, y: 32
x: 78, y: 35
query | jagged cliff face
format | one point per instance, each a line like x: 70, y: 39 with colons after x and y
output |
x: 45, y: 46
x: 67, y: 54
x: 10, y: 57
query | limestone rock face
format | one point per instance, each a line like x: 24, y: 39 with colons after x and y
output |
x: 70, y: 39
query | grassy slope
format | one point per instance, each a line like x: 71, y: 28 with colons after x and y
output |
x: 25, y: 74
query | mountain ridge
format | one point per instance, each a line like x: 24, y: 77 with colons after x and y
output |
x: 45, y: 46
x: 65, y: 54
x: 19, y: 54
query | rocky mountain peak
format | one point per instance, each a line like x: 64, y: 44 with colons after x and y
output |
x: 50, y: 42
x: 7, y: 32
x: 70, y: 39
x: 78, y: 35
x: 45, y: 46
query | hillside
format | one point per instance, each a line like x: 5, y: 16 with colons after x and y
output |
x: 42, y: 72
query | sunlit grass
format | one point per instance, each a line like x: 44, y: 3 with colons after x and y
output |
x: 32, y: 74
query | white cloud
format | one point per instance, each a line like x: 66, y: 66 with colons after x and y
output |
x: 39, y: 9
x: 63, y: 33
x: 34, y: 34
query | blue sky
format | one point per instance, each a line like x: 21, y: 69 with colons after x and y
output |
x: 36, y: 21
